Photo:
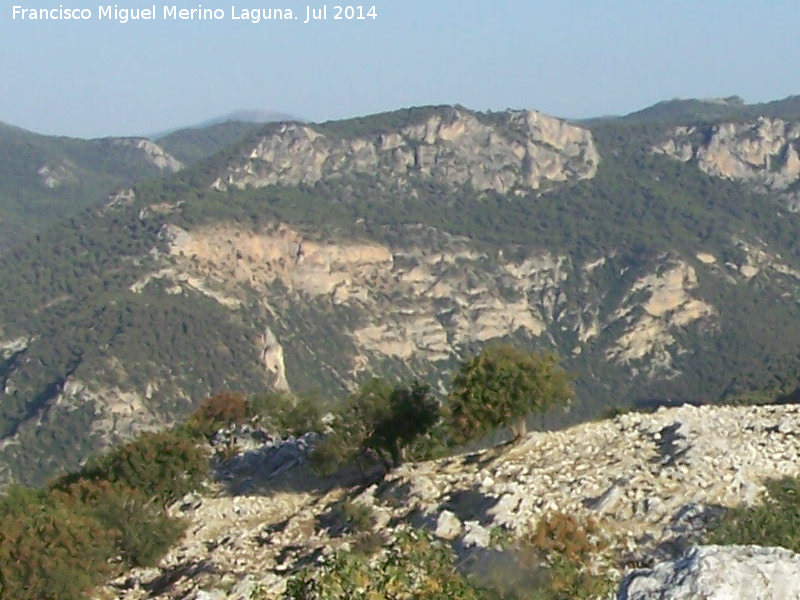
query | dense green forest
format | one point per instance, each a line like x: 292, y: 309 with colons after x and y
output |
x: 44, y: 179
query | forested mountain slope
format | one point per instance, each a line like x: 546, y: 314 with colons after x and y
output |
x: 45, y: 178
x: 307, y: 257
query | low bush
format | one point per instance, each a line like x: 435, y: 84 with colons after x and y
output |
x: 48, y: 551
x: 413, y: 565
x: 562, y: 558
x: 140, y: 529
x: 356, y: 517
x: 161, y: 466
x: 60, y: 541
x: 285, y: 413
x: 575, y: 558
x: 216, y: 412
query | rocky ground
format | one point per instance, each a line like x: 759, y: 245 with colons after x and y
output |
x: 653, y: 480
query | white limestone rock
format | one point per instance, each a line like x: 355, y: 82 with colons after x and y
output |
x: 456, y: 147
x: 763, y: 152
x: 448, y: 526
x: 477, y: 535
x: 719, y: 573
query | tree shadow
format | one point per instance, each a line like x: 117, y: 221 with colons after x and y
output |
x: 471, y: 505
x: 169, y: 578
x: 669, y: 447
x: 280, y: 466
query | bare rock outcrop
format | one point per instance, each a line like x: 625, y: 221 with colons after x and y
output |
x: 522, y: 153
x: 763, y: 152
x: 669, y: 305
x: 152, y: 153
x: 274, y: 361
x: 654, y: 479
x: 57, y: 173
x: 717, y: 573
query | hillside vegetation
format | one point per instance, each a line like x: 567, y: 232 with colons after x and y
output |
x: 44, y: 179
x: 644, y: 273
x: 117, y: 514
x: 197, y: 143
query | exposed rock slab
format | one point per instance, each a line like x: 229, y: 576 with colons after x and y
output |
x: 153, y: 153
x: 720, y: 573
x: 669, y: 304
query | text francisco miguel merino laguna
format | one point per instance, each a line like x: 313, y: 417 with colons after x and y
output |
x: 254, y: 15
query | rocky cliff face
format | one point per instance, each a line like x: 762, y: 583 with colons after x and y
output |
x: 763, y: 152
x: 525, y: 151
x: 653, y: 479
x: 428, y: 299
x: 420, y: 303
x: 416, y: 304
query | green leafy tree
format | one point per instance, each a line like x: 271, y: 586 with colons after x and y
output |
x: 411, y: 412
x: 501, y: 386
x: 379, y: 421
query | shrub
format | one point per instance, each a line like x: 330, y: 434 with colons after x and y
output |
x: 501, y: 386
x: 562, y: 558
x: 352, y: 427
x: 161, y: 466
x: 572, y: 551
x: 286, y: 413
x: 414, y: 565
x: 330, y: 454
x: 215, y: 412
x: 141, y: 530
x: 378, y: 422
x: 563, y: 534
x: 57, y: 543
x: 47, y: 550
x: 356, y: 517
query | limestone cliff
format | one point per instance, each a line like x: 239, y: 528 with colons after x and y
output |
x: 428, y: 301
x: 763, y: 152
x: 151, y: 152
x: 522, y: 151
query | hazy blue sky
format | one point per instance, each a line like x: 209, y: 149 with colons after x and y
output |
x: 567, y: 58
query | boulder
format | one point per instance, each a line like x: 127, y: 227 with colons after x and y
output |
x: 448, y: 526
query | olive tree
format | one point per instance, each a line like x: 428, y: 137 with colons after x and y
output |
x: 501, y: 386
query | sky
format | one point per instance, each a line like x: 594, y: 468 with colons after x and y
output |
x: 573, y: 59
